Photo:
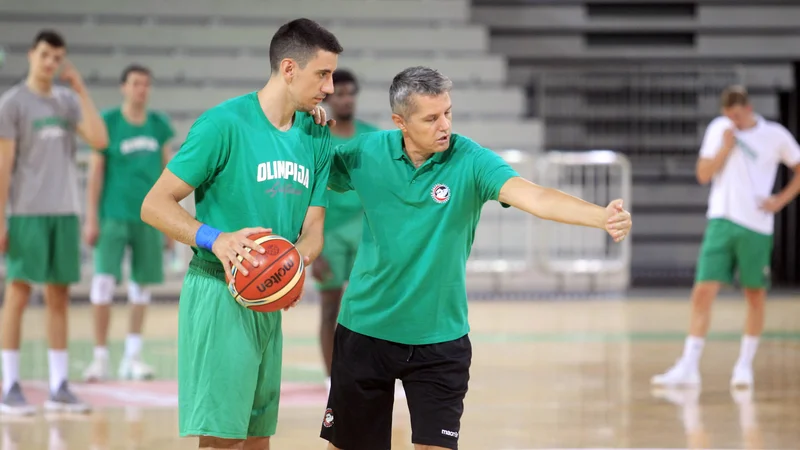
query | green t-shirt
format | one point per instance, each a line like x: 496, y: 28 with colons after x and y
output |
x: 344, y: 208
x: 247, y: 173
x: 133, y: 162
x: 408, y: 283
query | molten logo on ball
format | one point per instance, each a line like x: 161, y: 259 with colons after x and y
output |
x: 276, y: 277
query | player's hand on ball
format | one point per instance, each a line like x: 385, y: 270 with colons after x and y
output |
x: 91, y: 231
x: 306, y: 262
x: 230, y: 246
x: 321, y: 116
x: 619, y: 221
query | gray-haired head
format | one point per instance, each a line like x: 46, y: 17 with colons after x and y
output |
x: 416, y: 80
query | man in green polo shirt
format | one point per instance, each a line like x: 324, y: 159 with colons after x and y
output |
x: 404, y: 314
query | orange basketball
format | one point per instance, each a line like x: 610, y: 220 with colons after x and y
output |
x: 277, y: 281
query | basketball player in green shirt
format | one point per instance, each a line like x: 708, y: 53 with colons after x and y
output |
x: 343, y: 217
x: 404, y: 314
x: 119, y: 178
x: 257, y: 162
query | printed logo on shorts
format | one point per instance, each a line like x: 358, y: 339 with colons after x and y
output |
x: 450, y: 433
x: 440, y: 193
x: 327, y: 422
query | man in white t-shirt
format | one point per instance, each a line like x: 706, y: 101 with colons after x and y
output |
x: 739, y: 156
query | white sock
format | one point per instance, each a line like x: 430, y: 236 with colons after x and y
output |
x: 747, y: 351
x: 692, y: 350
x: 101, y: 353
x: 133, y: 345
x: 59, y: 366
x: 10, y: 368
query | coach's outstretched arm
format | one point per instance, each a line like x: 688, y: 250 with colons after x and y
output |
x: 552, y: 204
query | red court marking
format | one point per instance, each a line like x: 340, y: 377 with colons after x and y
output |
x: 162, y: 393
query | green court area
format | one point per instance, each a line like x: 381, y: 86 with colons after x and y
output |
x: 162, y: 353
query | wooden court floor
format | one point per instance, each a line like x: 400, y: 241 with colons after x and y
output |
x: 546, y: 374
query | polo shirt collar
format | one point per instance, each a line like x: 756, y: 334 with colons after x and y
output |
x: 398, y: 153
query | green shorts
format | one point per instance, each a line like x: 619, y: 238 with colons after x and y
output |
x: 728, y: 248
x: 341, y: 244
x: 229, y: 360
x: 147, y: 252
x: 44, y: 249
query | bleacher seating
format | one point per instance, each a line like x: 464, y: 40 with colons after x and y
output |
x: 644, y: 78
x: 203, y: 52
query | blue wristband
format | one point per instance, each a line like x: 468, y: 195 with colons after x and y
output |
x: 206, y: 236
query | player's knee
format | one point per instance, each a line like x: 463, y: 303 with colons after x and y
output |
x: 138, y: 294
x: 703, y: 294
x: 755, y: 297
x: 17, y: 295
x: 102, y: 291
x: 215, y: 442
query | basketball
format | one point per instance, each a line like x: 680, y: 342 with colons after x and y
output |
x: 277, y: 281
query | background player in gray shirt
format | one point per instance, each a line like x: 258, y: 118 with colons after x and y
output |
x: 39, y: 193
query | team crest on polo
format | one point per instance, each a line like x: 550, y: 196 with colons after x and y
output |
x: 440, y: 193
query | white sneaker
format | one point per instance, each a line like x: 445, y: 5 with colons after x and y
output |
x: 97, y: 371
x: 742, y: 377
x: 680, y: 374
x: 135, y: 369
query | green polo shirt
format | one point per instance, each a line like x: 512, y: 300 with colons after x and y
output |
x: 408, y: 283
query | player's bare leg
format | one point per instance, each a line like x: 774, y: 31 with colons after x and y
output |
x: 14, y: 302
x: 687, y: 370
x: 101, y: 297
x: 56, y: 298
x: 331, y: 301
x: 256, y: 443
x: 754, y: 325
x: 213, y: 443
x: 132, y: 366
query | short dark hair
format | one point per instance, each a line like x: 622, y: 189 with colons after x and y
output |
x: 134, y: 68
x: 342, y: 76
x: 300, y: 40
x: 51, y: 37
x: 734, y: 96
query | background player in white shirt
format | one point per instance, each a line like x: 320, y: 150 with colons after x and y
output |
x: 739, y: 156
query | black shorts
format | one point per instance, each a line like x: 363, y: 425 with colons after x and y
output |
x: 363, y: 374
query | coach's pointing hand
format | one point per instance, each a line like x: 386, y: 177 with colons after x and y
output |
x: 230, y: 247
x: 619, y: 221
